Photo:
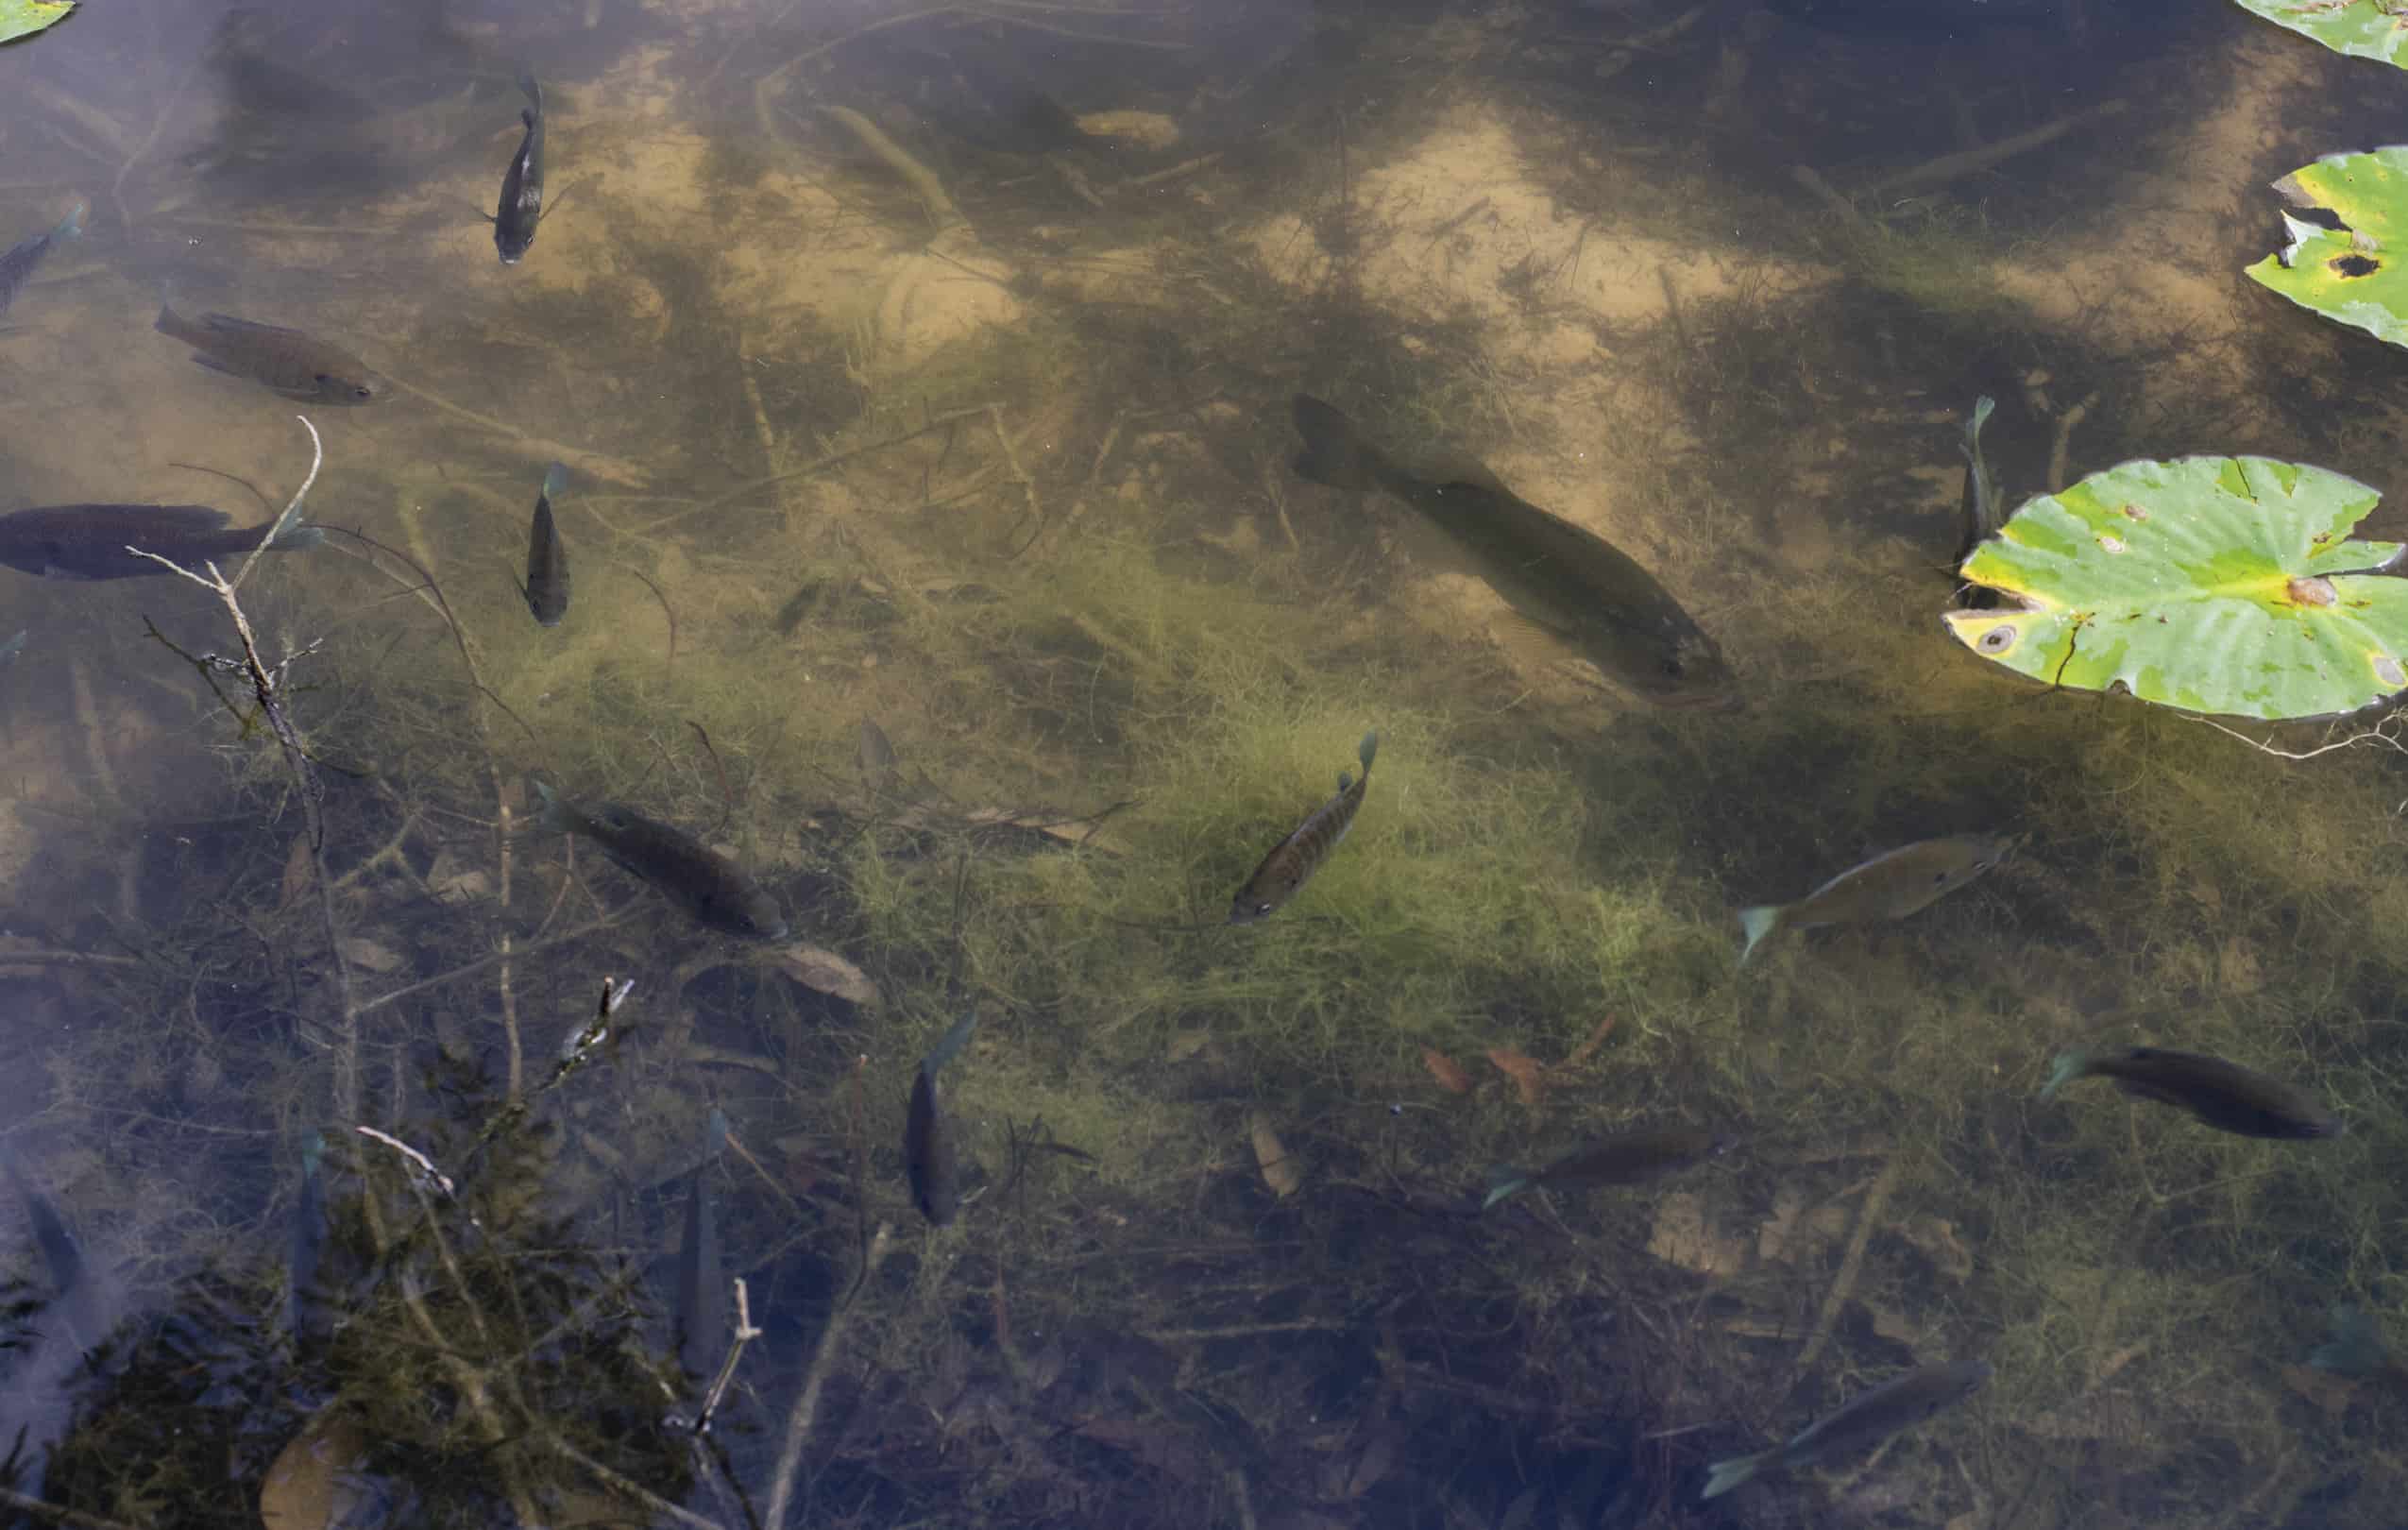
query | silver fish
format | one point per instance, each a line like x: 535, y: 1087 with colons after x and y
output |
x: 1894, y: 1405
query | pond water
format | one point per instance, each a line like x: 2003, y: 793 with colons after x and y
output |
x: 957, y: 621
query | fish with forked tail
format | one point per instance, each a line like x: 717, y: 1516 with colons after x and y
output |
x: 1893, y: 1407
x: 1888, y: 886
x: 94, y: 541
x: 1572, y: 594
x: 1293, y: 859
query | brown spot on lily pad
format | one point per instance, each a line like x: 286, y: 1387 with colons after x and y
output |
x: 2133, y: 511
x: 2314, y: 590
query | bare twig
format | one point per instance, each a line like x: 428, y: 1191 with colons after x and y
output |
x: 1875, y: 1200
x: 798, y: 1423
x: 56, y: 1514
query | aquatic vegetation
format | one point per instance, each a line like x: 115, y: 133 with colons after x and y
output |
x: 2361, y: 28
x: 2346, y: 273
x: 2222, y: 585
x: 24, y: 18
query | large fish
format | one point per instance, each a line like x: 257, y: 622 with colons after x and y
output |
x: 711, y: 889
x: 929, y: 1154
x: 1572, y: 593
x: 1293, y: 859
x: 300, y: 366
x: 17, y: 265
x: 1894, y: 1405
x: 89, y: 541
x: 1888, y: 886
x: 2225, y: 1095
x: 547, y: 586
x: 522, y: 185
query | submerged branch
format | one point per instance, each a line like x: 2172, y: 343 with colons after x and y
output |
x: 798, y: 1423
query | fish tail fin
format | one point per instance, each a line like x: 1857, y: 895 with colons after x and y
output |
x: 297, y: 537
x: 72, y: 226
x: 714, y: 1134
x: 1721, y: 1476
x: 555, y: 480
x: 1364, y: 751
x: 1757, y: 923
x: 949, y: 1045
x: 528, y: 87
x: 555, y: 817
x: 2067, y: 1067
x: 1334, y: 452
x: 1504, y: 1181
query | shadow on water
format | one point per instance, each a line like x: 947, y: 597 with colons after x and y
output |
x: 932, y: 369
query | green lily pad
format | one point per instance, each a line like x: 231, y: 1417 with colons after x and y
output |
x: 2362, y: 28
x: 2356, y: 273
x: 2219, y: 585
x: 23, y: 17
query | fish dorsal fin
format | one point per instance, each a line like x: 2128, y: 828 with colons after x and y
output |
x: 1448, y: 468
x: 1346, y: 782
x: 228, y: 324
x: 196, y: 518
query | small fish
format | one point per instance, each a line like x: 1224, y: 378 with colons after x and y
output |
x: 16, y: 266
x: 2357, y: 1350
x: 2225, y: 1095
x: 1572, y: 593
x: 1980, y: 502
x: 522, y: 184
x: 545, y: 590
x: 1633, y: 1157
x: 89, y: 541
x: 304, y: 1305
x: 78, y: 1312
x: 1888, y: 886
x: 875, y: 757
x: 1293, y: 859
x: 1894, y: 1405
x: 709, y: 886
x: 702, y: 1283
x: 299, y: 366
x: 929, y: 1154
x: 14, y: 646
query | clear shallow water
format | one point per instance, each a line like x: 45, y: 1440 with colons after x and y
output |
x: 897, y: 381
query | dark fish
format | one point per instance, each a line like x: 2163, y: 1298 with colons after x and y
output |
x: 2225, y: 1095
x: 17, y: 265
x: 522, y: 184
x: 928, y: 1151
x: 304, y: 1303
x: 2357, y: 1350
x: 299, y: 366
x: 89, y: 541
x: 547, y: 586
x: 1894, y: 1405
x: 78, y: 1312
x: 702, y: 1283
x: 1889, y: 886
x: 1572, y: 593
x: 1293, y: 859
x: 1633, y: 1157
x: 1980, y: 502
x: 709, y: 886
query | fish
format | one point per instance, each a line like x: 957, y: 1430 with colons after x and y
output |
x: 14, y: 646
x: 1980, y: 505
x: 304, y: 1308
x: 16, y: 266
x: 701, y: 1283
x: 711, y: 889
x: 1633, y: 1157
x: 1293, y: 859
x: 2357, y: 1350
x: 1888, y: 886
x: 300, y: 366
x: 545, y: 590
x: 1572, y: 594
x: 1897, y: 1404
x: 522, y: 185
x: 89, y: 541
x: 929, y: 1154
x: 2222, y: 1094
x: 875, y: 757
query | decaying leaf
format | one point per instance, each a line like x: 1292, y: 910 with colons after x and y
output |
x: 1281, y: 1173
x: 817, y: 968
x: 307, y: 1488
x: 1186, y: 1044
x: 300, y: 869
x: 1685, y: 1235
x: 362, y: 952
x: 1936, y: 1238
x: 1450, y: 1073
x: 1588, y: 1049
x: 1528, y: 1074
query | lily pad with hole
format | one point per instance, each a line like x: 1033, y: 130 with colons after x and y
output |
x: 2215, y: 584
x: 2362, y: 28
x: 23, y: 17
x: 2357, y: 273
